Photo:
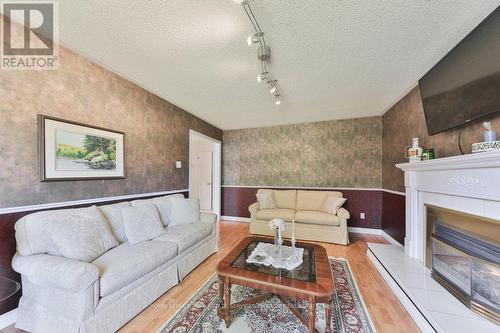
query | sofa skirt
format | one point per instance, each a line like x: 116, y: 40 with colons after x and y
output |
x: 306, y: 231
x: 194, y: 256
x: 111, y: 312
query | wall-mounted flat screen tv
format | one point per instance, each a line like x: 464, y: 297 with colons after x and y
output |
x: 465, y: 85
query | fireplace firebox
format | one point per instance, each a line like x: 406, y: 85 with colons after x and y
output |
x: 463, y: 252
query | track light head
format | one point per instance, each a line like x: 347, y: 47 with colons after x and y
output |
x: 250, y: 40
x: 262, y: 76
x: 273, y: 86
x: 278, y: 100
x: 254, y: 38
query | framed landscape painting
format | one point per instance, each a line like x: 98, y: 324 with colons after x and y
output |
x: 73, y: 151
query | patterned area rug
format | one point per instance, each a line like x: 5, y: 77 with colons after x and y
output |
x: 199, y: 314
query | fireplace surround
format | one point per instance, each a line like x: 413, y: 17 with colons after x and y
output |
x: 469, y: 185
x: 463, y: 252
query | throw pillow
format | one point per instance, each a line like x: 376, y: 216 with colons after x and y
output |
x: 184, y: 211
x: 141, y: 223
x: 163, y: 204
x: 331, y: 204
x: 266, y: 200
x: 113, y: 213
x: 81, y: 234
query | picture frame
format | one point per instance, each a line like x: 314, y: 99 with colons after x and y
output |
x: 70, y: 150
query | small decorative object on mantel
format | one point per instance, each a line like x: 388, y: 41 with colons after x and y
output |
x: 489, y: 135
x: 489, y: 143
x: 414, y: 153
x: 428, y: 154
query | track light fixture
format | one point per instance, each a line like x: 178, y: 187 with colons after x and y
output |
x: 263, y: 52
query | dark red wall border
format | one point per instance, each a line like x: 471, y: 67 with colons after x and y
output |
x: 8, y: 244
x: 235, y: 202
x: 394, y: 216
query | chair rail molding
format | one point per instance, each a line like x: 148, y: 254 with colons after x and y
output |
x: 102, y: 200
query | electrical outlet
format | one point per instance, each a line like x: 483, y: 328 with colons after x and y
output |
x: 362, y: 216
x: 178, y: 164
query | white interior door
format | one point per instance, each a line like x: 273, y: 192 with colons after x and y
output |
x: 203, y: 179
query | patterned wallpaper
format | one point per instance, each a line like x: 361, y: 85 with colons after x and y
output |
x: 344, y: 153
x: 156, y: 131
x: 406, y: 120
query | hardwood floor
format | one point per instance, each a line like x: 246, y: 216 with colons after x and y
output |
x: 385, y: 310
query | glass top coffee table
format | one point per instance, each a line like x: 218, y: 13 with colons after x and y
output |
x: 311, y: 281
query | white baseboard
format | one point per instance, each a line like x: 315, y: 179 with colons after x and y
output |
x: 368, y: 231
x: 235, y: 219
x: 390, y: 239
x: 8, y: 319
x: 371, y: 231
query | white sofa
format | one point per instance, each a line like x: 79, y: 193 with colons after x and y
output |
x: 303, y: 206
x: 67, y: 295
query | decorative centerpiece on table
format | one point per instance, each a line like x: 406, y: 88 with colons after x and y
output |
x: 277, y: 254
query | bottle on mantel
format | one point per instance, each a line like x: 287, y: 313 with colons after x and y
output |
x: 414, y: 153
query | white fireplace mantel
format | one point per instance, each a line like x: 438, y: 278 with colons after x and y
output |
x: 467, y: 183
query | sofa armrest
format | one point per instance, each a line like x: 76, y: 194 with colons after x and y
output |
x: 343, y: 213
x: 209, y: 218
x: 56, y: 272
x: 253, y: 208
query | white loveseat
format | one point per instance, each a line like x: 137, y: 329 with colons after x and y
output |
x: 67, y: 295
x: 303, y: 206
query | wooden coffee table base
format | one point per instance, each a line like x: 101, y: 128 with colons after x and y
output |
x: 225, y: 307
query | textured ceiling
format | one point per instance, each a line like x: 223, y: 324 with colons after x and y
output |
x: 333, y: 59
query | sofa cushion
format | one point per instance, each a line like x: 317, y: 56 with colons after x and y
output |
x: 185, y: 235
x: 163, y: 204
x: 316, y: 217
x: 80, y: 234
x: 184, y: 211
x: 269, y: 214
x: 312, y: 200
x: 33, y: 231
x: 266, y: 200
x: 286, y: 199
x: 113, y: 213
x: 127, y: 263
x: 283, y: 198
x: 331, y: 204
x: 141, y: 223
